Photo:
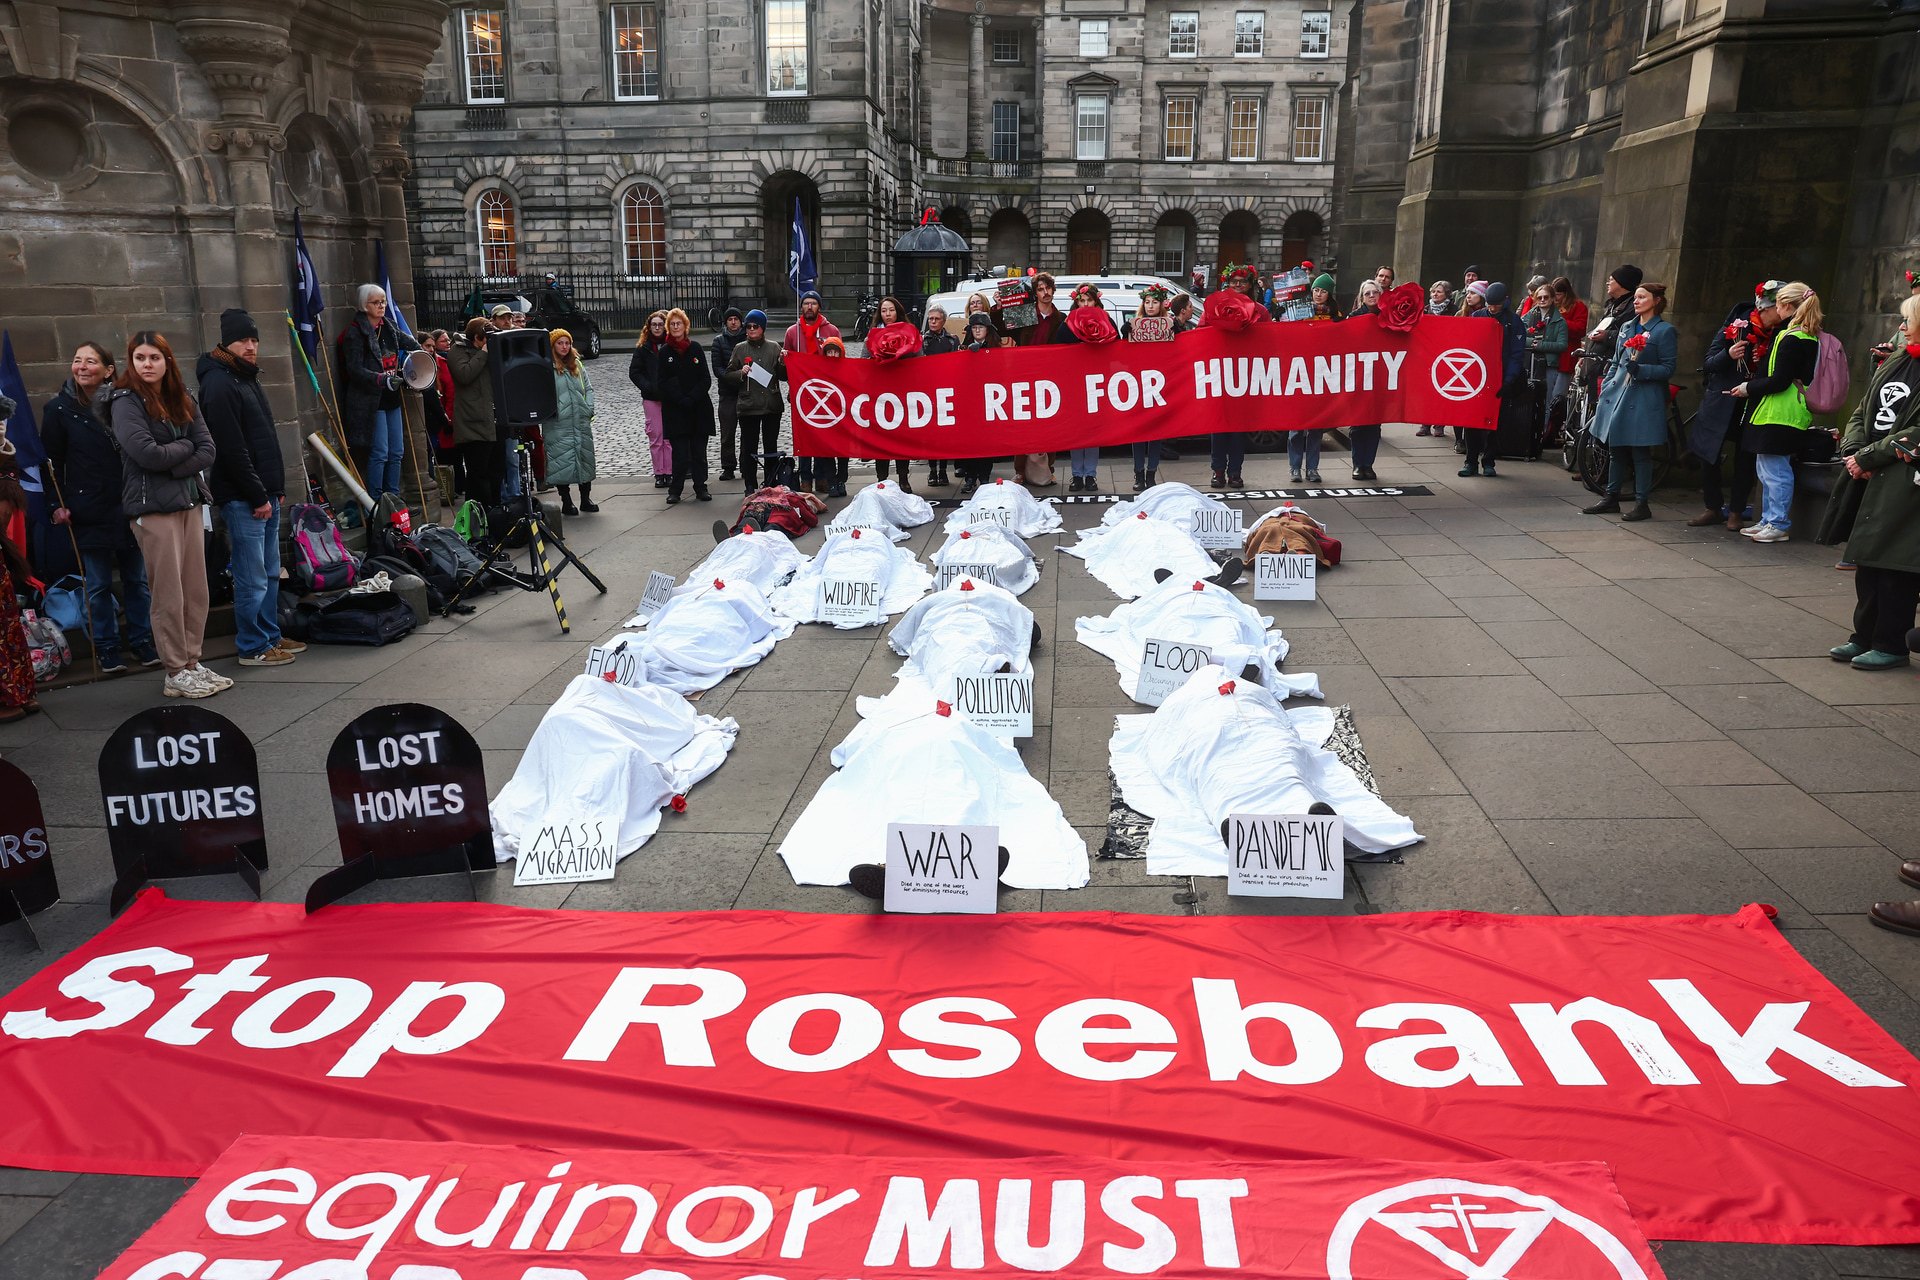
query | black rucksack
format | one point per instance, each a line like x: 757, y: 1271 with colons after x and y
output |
x: 358, y: 617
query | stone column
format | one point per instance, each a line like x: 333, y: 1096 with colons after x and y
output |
x: 923, y: 89
x: 1039, y: 89
x: 977, y: 85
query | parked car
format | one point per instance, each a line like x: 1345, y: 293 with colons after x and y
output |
x: 1119, y: 294
x: 545, y: 307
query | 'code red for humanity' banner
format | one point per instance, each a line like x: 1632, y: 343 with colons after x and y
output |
x: 1270, y: 377
x: 1736, y: 1094
x: 360, y: 1209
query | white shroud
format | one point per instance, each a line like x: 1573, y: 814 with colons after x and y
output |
x: 601, y: 745
x: 862, y: 558
x: 968, y: 629
x: 914, y: 765
x: 1002, y: 554
x: 766, y: 559
x: 1123, y: 556
x: 1173, y: 502
x: 700, y: 638
x: 1189, y: 611
x: 883, y: 506
x: 1026, y: 515
x: 1204, y: 755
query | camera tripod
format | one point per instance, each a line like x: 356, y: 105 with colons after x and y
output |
x: 529, y: 522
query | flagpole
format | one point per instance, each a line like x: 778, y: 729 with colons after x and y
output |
x: 86, y: 596
x: 333, y: 415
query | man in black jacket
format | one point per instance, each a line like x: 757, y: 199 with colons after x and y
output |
x: 248, y: 481
x: 721, y: 349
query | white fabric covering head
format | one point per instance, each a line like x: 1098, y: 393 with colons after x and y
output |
x: 1189, y: 611
x: 1026, y: 515
x: 1123, y: 556
x: 883, y: 506
x: 968, y: 629
x: 1173, y: 502
x: 915, y: 765
x: 606, y: 744
x: 861, y: 557
x: 701, y: 637
x: 992, y: 553
x: 1205, y: 755
x: 766, y: 559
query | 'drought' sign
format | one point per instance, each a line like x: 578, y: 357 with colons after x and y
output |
x: 181, y: 787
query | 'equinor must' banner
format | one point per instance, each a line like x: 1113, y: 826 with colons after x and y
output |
x: 1736, y: 1094
x: 1270, y: 377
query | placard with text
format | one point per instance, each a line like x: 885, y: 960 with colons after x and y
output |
x: 854, y: 601
x: 617, y: 664
x: 942, y: 870
x: 1297, y: 855
x: 1000, y: 702
x: 576, y: 851
x: 1280, y: 575
x: 27, y: 883
x: 1216, y: 529
x: 1165, y: 665
x: 659, y: 590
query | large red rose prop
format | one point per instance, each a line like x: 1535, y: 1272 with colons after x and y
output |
x: 1402, y: 306
x: 891, y: 341
x: 1230, y: 310
x: 1092, y: 325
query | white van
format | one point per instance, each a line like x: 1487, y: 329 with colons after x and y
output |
x: 1119, y: 294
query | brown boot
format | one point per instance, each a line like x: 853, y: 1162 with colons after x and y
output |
x: 1901, y: 917
x: 1733, y: 523
x: 1704, y: 519
x: 1910, y: 872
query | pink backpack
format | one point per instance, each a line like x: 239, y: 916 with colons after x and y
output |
x: 1827, y: 389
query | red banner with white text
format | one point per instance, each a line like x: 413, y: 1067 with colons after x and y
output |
x: 1270, y: 377
x: 1736, y: 1094
x: 455, y: 1211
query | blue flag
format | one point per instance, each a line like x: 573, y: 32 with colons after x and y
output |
x: 308, y: 306
x: 51, y: 556
x: 801, y: 273
x: 386, y: 287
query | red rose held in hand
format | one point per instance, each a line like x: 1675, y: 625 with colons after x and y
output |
x: 891, y: 341
x: 1638, y: 342
x: 1229, y: 310
x: 1401, y: 307
x: 1092, y: 325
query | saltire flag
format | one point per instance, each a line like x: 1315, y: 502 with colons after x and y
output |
x: 801, y: 272
x: 308, y: 305
x: 51, y: 557
x: 386, y: 287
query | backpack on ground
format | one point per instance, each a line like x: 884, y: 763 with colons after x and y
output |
x: 47, y: 646
x: 321, y: 561
x: 470, y: 521
x: 449, y: 558
x: 1827, y: 389
x: 358, y: 617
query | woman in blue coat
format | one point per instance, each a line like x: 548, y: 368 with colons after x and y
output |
x: 1632, y: 417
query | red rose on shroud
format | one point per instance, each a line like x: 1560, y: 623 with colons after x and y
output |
x: 1226, y: 690
x: 1092, y: 325
x: 943, y: 708
x: 1401, y: 307
x: 1229, y: 310
x: 680, y: 804
x: 1638, y: 342
x: 891, y: 341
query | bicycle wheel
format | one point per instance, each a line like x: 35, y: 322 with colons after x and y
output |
x: 1595, y: 459
x: 1576, y: 427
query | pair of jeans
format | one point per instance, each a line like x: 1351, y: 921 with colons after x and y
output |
x: 1887, y: 600
x: 1303, y: 445
x: 1366, y: 446
x: 1084, y: 463
x: 389, y: 446
x: 1557, y: 384
x: 1776, y: 488
x: 98, y: 567
x: 1146, y: 457
x: 1229, y: 449
x: 1638, y: 457
x: 759, y: 438
x: 254, y: 561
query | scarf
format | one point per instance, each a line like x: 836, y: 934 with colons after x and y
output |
x: 1913, y: 349
x: 679, y: 344
x: 810, y: 335
x: 243, y: 368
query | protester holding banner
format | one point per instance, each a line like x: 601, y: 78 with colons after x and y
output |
x: 893, y: 338
x: 370, y: 362
x: 1229, y: 448
x: 981, y: 335
x: 165, y: 449
x: 86, y: 476
x: 641, y: 372
x: 1365, y: 438
x: 1151, y: 324
x: 1035, y: 470
x: 569, y: 435
x: 1087, y: 322
x: 809, y: 334
x: 938, y: 342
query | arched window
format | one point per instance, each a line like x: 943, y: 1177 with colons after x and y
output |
x: 643, y: 231
x: 499, y: 232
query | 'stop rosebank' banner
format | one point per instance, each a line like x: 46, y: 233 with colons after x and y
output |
x: 1734, y: 1092
x: 359, y: 1209
x: 1270, y: 377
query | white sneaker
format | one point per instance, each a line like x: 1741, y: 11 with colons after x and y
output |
x: 182, y: 684
x: 1770, y: 533
x: 214, y: 681
x: 1754, y: 530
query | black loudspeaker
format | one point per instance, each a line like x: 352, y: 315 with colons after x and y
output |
x: 522, y: 367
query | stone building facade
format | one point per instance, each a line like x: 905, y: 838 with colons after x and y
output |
x: 1713, y: 143
x: 674, y: 137
x: 152, y: 156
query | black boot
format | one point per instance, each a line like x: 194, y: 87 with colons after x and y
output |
x: 1229, y: 573
x: 720, y: 531
x: 1641, y: 511
x: 566, y: 501
x: 700, y: 491
x: 587, y: 504
x: 1153, y: 478
x: 1608, y: 505
x: 906, y: 486
x: 1139, y: 481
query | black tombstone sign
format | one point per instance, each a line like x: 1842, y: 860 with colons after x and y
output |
x: 27, y: 884
x: 181, y: 786
x: 409, y: 798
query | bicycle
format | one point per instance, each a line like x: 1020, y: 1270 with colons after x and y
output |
x: 1595, y: 459
x: 863, y: 323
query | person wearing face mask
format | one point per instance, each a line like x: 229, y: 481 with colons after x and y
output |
x: 85, y: 470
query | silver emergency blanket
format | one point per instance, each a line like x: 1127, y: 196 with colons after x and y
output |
x: 1220, y: 746
x: 607, y: 746
x: 715, y: 628
x: 1173, y: 502
x: 1123, y: 556
x: 861, y: 557
x: 882, y: 506
x: 913, y: 764
x: 991, y: 553
x: 1009, y: 505
x: 1192, y: 611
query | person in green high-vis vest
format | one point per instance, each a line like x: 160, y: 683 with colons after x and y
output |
x: 1776, y: 433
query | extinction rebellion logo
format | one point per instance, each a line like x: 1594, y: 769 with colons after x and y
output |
x: 819, y: 404
x: 1459, y: 374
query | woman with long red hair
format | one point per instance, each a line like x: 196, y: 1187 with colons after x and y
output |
x: 165, y: 447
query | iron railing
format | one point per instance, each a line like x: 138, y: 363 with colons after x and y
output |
x: 617, y: 302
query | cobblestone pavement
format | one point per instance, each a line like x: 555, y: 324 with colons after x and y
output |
x: 1582, y: 716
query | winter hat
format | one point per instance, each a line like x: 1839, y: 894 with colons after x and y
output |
x: 811, y: 293
x: 756, y: 316
x: 980, y: 320
x: 1628, y: 277
x: 1479, y: 287
x: 237, y: 326
x: 733, y: 313
x: 1471, y: 271
x: 1323, y: 281
x: 1496, y: 294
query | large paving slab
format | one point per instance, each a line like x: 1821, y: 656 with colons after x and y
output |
x: 1580, y: 716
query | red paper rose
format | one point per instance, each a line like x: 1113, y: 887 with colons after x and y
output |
x: 1230, y: 310
x: 719, y: 585
x: 1401, y: 307
x: 891, y: 341
x: 943, y: 708
x: 1092, y: 325
x: 679, y: 804
x: 1638, y: 342
x: 966, y: 584
x: 1199, y: 586
x: 1226, y: 690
